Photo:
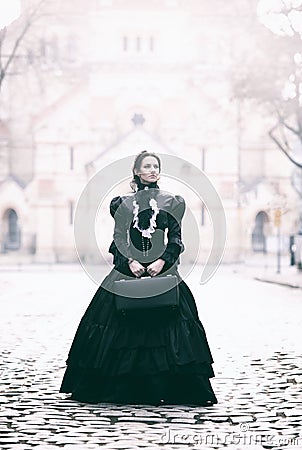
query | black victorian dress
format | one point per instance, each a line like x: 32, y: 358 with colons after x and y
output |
x: 150, y: 361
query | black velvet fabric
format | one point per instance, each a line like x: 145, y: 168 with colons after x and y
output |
x: 163, y: 361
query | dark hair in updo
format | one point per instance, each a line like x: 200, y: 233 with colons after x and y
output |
x: 137, y: 164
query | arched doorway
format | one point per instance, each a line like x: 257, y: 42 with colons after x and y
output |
x: 258, y: 236
x: 11, y: 235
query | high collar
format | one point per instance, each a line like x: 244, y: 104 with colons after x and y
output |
x: 141, y: 186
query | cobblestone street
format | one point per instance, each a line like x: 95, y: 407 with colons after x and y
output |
x: 254, y: 332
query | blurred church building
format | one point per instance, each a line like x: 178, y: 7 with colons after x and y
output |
x: 95, y: 81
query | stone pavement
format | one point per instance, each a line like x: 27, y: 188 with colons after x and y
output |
x: 253, y: 329
x: 264, y: 268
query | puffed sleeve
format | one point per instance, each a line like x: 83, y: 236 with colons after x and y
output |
x: 114, y: 204
x: 175, y: 245
x: 119, y: 245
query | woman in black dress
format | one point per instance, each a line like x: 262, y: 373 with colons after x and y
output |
x: 155, y: 360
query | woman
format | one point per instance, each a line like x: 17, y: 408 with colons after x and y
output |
x: 154, y: 360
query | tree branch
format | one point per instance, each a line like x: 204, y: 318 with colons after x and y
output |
x: 296, y: 131
x: 15, y: 48
x: 290, y: 128
x: 299, y: 123
x: 2, y: 37
x: 29, y: 21
x: 282, y: 148
x: 294, y: 185
x: 285, y: 139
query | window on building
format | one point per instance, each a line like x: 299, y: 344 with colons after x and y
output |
x: 151, y: 44
x: 54, y: 50
x: 258, y: 235
x: 202, y: 214
x: 49, y: 51
x: 30, y: 56
x: 139, y: 44
x: 71, y: 49
x: 12, y: 235
x: 13, y: 231
x: 71, y: 158
x: 42, y: 48
x: 125, y: 43
x: 71, y: 208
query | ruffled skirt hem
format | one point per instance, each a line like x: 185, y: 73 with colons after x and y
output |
x: 158, y: 389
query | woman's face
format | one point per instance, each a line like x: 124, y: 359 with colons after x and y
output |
x: 149, y: 170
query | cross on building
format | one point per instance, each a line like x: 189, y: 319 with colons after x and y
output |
x: 138, y: 119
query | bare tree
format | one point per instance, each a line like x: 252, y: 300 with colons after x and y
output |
x: 10, y: 42
x: 273, y: 78
x: 289, y: 112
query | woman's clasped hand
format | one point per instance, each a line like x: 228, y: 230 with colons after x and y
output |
x: 153, y: 269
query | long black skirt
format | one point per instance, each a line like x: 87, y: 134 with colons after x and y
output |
x: 157, y: 360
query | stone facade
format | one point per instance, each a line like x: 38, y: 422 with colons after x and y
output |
x: 102, y: 80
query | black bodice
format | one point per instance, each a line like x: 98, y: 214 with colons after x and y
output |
x: 165, y: 242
